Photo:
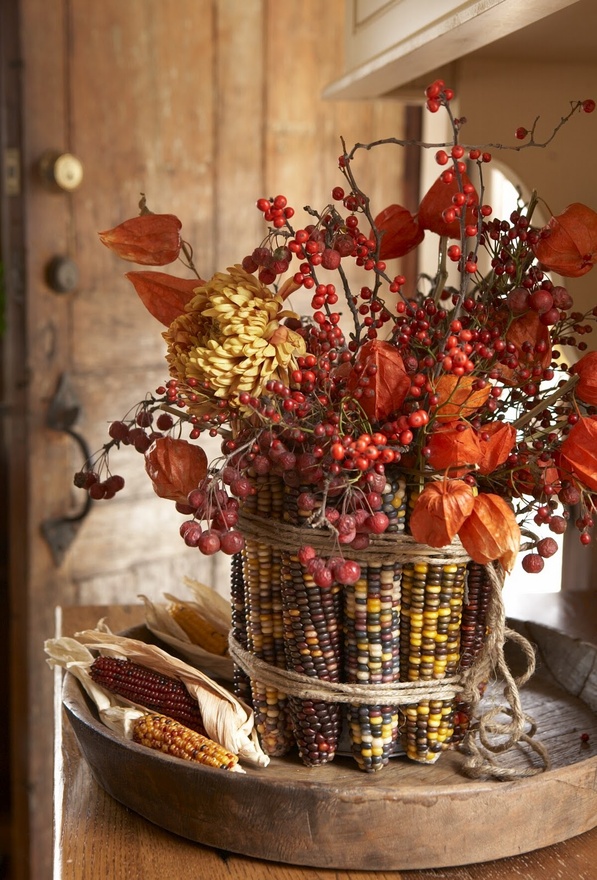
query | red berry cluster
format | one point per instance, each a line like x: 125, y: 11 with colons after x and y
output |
x: 139, y: 433
x: 437, y: 95
x: 211, y: 503
x: 327, y: 572
x: 97, y: 488
x: 268, y: 262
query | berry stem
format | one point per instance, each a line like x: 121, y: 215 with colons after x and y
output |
x: 545, y: 404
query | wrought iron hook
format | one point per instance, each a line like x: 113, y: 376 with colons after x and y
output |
x: 63, y: 412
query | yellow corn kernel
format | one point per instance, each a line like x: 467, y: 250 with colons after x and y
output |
x: 165, y: 735
x: 199, y: 631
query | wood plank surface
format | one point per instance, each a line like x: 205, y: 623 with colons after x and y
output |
x: 99, y: 838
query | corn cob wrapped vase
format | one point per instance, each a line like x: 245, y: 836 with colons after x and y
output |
x: 257, y: 603
x: 401, y: 623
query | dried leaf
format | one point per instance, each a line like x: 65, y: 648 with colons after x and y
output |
x: 388, y: 384
x: 568, y: 244
x: 401, y: 232
x: 439, y: 512
x: 150, y: 239
x: 491, y: 532
x: 163, y: 295
x: 175, y: 467
x: 162, y: 624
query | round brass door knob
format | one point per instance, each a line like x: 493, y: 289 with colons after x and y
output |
x: 62, y: 275
x: 61, y: 170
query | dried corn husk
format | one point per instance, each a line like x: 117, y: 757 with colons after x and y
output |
x: 212, y: 607
x: 227, y: 720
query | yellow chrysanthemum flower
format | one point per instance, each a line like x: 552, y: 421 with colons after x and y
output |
x: 230, y: 340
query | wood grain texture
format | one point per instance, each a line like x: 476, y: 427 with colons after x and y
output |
x: 204, y: 108
x: 100, y: 838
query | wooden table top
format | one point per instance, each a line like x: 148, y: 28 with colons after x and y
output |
x: 96, y: 837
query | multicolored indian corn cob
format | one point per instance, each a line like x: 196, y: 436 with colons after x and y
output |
x: 241, y: 683
x: 166, y: 735
x: 198, y: 629
x: 473, y: 632
x: 394, y: 504
x: 313, y: 643
x: 144, y: 687
x: 263, y: 609
x: 432, y: 595
x: 372, y: 641
x: 372, y: 655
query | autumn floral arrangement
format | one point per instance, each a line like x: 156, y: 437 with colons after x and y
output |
x: 461, y: 389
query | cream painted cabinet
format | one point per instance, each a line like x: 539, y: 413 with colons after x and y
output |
x: 391, y: 44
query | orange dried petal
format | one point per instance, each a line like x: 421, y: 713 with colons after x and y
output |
x: 568, y: 244
x: 401, y: 232
x: 578, y: 454
x: 495, y: 450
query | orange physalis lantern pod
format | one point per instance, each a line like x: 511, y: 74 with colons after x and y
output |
x: 439, y: 512
x: 535, y: 479
x: 458, y: 397
x: 175, y: 467
x: 150, y: 239
x: 568, y: 244
x: 497, y: 447
x: 378, y: 379
x: 578, y: 456
x: 491, y: 532
x: 401, y: 232
x: 586, y: 369
x: 439, y: 199
x: 163, y: 295
x: 454, y: 448
x: 532, y: 342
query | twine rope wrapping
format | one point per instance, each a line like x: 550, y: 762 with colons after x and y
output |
x: 382, y: 548
x: 295, y: 684
x: 491, y: 734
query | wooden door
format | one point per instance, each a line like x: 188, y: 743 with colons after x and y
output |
x: 204, y: 107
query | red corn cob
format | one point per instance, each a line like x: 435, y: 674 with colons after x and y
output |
x: 152, y: 690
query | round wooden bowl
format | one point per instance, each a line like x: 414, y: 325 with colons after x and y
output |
x: 408, y: 816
